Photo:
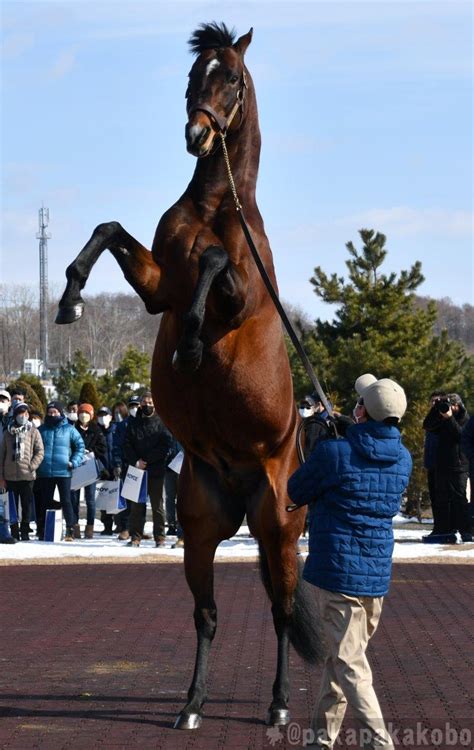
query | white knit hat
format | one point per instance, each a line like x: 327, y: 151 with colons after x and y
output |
x: 384, y: 398
x: 363, y: 381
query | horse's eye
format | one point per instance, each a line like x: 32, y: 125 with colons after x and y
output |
x: 234, y: 79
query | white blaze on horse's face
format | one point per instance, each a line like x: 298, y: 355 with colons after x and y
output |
x: 211, y: 66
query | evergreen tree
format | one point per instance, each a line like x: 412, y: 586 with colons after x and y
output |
x: 31, y: 397
x: 71, y: 377
x: 89, y: 395
x: 35, y: 383
x: 133, y: 368
x: 379, y: 328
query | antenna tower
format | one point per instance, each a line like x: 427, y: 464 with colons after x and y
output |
x: 43, y: 236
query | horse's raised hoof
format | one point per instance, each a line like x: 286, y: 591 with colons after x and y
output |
x: 188, y: 721
x: 69, y: 314
x: 278, y: 717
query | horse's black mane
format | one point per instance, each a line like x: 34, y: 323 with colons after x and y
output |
x: 211, y: 36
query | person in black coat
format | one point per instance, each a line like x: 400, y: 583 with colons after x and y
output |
x: 107, y: 427
x: 446, y: 419
x: 94, y: 442
x: 147, y: 446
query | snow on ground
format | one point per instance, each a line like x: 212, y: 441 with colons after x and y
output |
x: 242, y: 546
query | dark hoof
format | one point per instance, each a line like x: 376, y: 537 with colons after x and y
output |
x: 69, y: 314
x: 188, y: 721
x: 278, y: 717
x: 188, y: 361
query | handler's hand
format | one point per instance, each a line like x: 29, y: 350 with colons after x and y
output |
x: 141, y: 464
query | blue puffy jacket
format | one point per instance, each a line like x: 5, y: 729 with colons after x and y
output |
x: 355, y: 487
x: 62, y: 445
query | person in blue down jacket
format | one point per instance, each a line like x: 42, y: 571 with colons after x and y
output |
x: 63, y: 451
x: 354, y: 487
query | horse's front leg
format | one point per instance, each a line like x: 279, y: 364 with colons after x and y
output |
x: 188, y: 355
x: 136, y: 262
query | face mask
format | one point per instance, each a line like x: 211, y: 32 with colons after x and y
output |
x: 118, y: 417
x: 4, y: 407
x: 305, y: 412
x: 36, y: 422
x: 84, y: 418
x: 72, y: 416
x: 105, y: 420
x: 51, y: 421
x: 21, y: 419
x: 133, y: 411
x: 147, y: 410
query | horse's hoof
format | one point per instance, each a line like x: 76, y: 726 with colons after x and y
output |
x: 188, y: 721
x: 69, y: 314
x: 278, y: 717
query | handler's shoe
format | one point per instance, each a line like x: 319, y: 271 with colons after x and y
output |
x: 69, y: 535
x: 160, y: 541
x: 178, y: 543
x: 76, y: 531
x: 439, y: 539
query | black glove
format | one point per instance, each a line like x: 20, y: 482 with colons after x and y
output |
x: 117, y: 472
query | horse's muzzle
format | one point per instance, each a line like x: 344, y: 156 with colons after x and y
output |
x: 198, y: 140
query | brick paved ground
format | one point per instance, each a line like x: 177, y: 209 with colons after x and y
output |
x: 100, y: 656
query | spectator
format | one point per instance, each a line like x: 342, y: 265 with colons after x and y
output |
x: 147, y: 446
x: 446, y: 420
x: 120, y: 411
x: 5, y: 404
x: 18, y: 396
x: 94, y: 442
x: 429, y: 461
x: 107, y: 427
x: 21, y: 452
x: 317, y: 423
x: 171, y: 491
x: 467, y: 447
x: 354, y: 486
x: 63, y: 451
x: 72, y: 412
x: 36, y: 418
x: 122, y: 416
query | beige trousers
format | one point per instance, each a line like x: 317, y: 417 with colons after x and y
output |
x: 349, y: 622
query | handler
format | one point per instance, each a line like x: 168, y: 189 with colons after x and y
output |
x: 354, y: 486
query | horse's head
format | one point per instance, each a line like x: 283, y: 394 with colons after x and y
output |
x: 217, y: 84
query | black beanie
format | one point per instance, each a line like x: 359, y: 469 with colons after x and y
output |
x: 56, y: 405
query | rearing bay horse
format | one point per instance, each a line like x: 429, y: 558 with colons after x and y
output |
x: 220, y: 342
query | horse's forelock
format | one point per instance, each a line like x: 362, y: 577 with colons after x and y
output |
x: 211, y: 36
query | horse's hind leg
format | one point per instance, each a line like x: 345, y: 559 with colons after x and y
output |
x: 188, y: 355
x: 199, y: 561
x: 136, y: 262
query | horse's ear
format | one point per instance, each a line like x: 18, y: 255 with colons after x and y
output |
x: 241, y: 44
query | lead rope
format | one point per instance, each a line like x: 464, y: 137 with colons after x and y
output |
x: 286, y: 321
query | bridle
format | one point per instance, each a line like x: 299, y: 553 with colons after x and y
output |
x: 223, y: 123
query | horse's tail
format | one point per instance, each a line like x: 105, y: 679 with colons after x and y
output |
x: 305, y: 628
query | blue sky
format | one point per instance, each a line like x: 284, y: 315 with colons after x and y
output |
x: 365, y: 111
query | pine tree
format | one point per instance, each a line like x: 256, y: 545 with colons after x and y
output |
x: 71, y: 377
x: 378, y: 327
x: 31, y: 397
x: 133, y: 368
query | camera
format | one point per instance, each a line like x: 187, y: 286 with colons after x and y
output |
x: 442, y: 405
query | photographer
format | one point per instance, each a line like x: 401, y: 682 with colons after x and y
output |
x: 446, y: 420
